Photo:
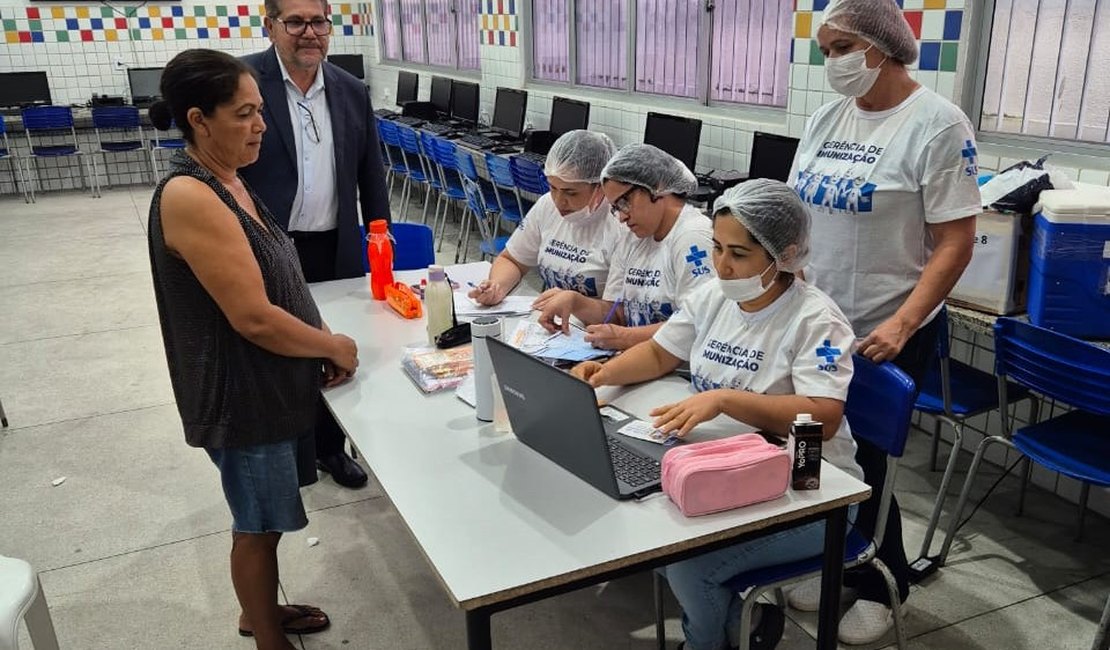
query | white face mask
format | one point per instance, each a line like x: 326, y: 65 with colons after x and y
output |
x: 578, y: 216
x: 849, y: 75
x: 745, y: 289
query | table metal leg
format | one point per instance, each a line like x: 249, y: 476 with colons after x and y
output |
x: 832, y: 575
x: 477, y: 630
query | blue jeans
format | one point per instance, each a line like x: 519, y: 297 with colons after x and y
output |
x: 698, y: 583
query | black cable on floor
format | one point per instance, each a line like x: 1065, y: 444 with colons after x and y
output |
x: 984, y: 497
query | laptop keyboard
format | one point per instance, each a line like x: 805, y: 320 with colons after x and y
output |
x: 631, y: 467
x: 478, y: 141
x: 438, y: 129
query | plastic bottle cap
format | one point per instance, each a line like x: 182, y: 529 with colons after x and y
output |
x: 804, y: 417
x: 436, y: 273
x: 379, y: 226
x: 486, y: 326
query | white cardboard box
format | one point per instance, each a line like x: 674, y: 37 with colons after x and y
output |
x: 997, y: 277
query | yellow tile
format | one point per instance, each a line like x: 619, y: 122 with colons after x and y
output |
x: 213, y: 22
x: 803, y: 24
x: 153, y: 11
x: 155, y: 34
x: 190, y: 21
x: 245, y: 32
x: 82, y: 12
x: 110, y: 35
x: 485, y: 21
x: 935, y: 4
x: 11, y: 37
x: 345, y: 10
x: 57, y: 13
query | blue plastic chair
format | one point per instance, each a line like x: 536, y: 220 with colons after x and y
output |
x: 14, y: 164
x: 160, y: 143
x: 886, y: 427
x: 491, y: 245
x: 508, y: 199
x: 953, y: 392
x: 464, y: 162
x: 1075, y: 444
x: 123, y: 125
x: 413, y: 246
x: 451, y: 194
x: 391, y: 144
x: 418, y: 174
x: 51, y: 134
x: 528, y: 176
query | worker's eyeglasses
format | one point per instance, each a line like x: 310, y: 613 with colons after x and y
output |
x: 621, y: 204
x: 314, y: 134
x: 297, y: 27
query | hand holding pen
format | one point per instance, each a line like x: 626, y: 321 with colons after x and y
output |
x: 486, y: 292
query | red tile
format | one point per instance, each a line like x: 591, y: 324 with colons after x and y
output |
x: 86, y: 35
x: 225, y: 32
x: 24, y: 37
x: 244, y: 10
x: 512, y: 39
x: 33, y: 13
x: 914, y: 19
x: 121, y: 23
x: 167, y: 23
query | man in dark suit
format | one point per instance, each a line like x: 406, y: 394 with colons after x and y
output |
x: 319, y: 162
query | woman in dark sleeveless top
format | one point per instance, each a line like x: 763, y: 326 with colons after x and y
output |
x: 246, y: 347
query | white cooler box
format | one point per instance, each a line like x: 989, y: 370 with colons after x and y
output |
x: 997, y: 278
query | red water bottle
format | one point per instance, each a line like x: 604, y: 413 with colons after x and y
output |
x: 379, y: 250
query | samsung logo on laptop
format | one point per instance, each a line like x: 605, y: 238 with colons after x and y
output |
x: 514, y: 392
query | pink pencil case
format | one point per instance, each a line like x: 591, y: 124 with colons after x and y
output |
x: 718, y: 475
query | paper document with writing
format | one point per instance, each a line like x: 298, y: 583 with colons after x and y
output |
x: 510, y: 306
x: 532, y: 338
x: 644, y: 431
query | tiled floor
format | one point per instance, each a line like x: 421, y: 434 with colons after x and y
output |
x: 133, y: 545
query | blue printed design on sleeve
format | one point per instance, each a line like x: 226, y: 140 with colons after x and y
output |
x: 971, y: 157
x: 829, y: 354
x: 696, y: 261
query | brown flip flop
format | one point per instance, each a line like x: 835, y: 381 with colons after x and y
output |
x: 303, y: 611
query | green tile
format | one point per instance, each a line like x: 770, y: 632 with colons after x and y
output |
x: 62, y: 35
x: 9, y: 25
x: 179, y: 34
x: 815, y: 56
x: 106, y: 12
x: 35, y: 25
x: 221, y: 10
x: 948, y: 52
x: 198, y: 10
x: 256, y: 21
x: 337, y: 20
x: 136, y: 34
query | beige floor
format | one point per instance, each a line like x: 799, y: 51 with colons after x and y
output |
x: 132, y: 548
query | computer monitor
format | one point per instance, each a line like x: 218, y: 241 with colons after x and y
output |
x: 464, y: 101
x: 19, y: 89
x: 407, y: 85
x: 441, y: 94
x: 508, y: 111
x: 352, y: 63
x: 771, y: 156
x: 568, y: 115
x: 678, y: 136
x: 145, y: 84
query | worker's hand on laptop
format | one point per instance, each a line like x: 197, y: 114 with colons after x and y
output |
x: 488, y: 293
x: 591, y: 372
x: 555, y: 307
x: 679, y: 418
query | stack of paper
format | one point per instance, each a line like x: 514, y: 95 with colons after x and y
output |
x: 535, y: 340
x: 510, y: 306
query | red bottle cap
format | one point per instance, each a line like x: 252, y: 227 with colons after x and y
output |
x: 379, y: 226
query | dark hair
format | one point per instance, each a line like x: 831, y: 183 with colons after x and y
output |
x: 196, y: 78
x: 273, y: 8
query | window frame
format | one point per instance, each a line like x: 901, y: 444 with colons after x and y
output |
x: 974, y: 87
x: 703, y: 102
x: 402, y: 63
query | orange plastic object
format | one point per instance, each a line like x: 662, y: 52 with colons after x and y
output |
x: 403, y: 300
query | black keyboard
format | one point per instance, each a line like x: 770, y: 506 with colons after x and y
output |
x: 384, y: 112
x: 630, y: 466
x: 478, y: 141
x: 437, y: 129
x: 533, y: 157
x: 409, y: 120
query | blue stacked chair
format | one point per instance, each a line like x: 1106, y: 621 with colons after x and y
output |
x: 500, y: 172
x: 444, y: 155
x: 14, y: 165
x: 528, y: 176
x: 391, y: 143
x: 122, y: 124
x: 51, y: 134
x: 491, y: 244
x: 464, y: 162
x: 418, y: 174
x: 160, y: 143
x: 413, y: 246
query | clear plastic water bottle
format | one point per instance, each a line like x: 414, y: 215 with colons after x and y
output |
x: 438, y: 301
x: 481, y: 330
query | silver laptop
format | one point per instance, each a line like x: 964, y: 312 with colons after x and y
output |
x: 557, y: 414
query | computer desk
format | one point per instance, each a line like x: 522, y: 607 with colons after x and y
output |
x: 501, y: 525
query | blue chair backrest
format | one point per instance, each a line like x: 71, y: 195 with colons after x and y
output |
x: 427, y: 143
x: 500, y: 171
x: 3, y: 127
x: 388, y: 131
x: 464, y: 162
x: 408, y: 140
x: 879, y: 405
x: 47, y: 118
x: 444, y: 151
x: 1053, y: 364
x: 474, y: 198
x: 528, y: 176
x: 413, y: 247
x: 115, y: 117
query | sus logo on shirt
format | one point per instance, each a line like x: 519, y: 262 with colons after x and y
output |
x: 830, y: 354
x: 696, y: 259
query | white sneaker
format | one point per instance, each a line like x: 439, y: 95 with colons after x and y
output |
x: 866, y: 622
x: 806, y: 596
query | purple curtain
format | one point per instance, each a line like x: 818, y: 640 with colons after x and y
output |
x: 391, y: 38
x: 467, y: 17
x: 601, y: 28
x: 412, y: 31
x: 667, y: 47
x: 751, y: 52
x: 550, y: 41
x: 441, y: 32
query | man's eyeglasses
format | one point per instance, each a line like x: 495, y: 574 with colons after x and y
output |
x: 297, y: 27
x: 621, y: 204
x: 314, y: 134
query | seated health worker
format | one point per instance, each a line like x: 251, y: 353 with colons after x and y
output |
x: 568, y: 234
x: 763, y: 346
x: 666, y: 257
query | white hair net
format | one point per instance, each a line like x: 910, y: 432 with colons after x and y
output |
x: 650, y: 167
x: 774, y: 215
x: 879, y: 22
x: 579, y: 156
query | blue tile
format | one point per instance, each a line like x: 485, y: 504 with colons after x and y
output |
x: 500, y: 38
x: 930, y: 56
x: 144, y: 23
x: 233, y: 21
x: 819, y: 5
x: 952, y: 22
x: 265, y: 33
x: 202, y: 32
x: 348, y: 30
x: 71, y: 23
x: 36, y: 37
x: 512, y: 7
x: 97, y: 23
x: 177, y: 11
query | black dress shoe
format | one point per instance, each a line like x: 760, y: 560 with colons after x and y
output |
x: 343, y: 469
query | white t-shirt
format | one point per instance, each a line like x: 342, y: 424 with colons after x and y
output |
x: 650, y: 276
x: 574, y: 256
x: 872, y: 181
x: 798, y: 345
